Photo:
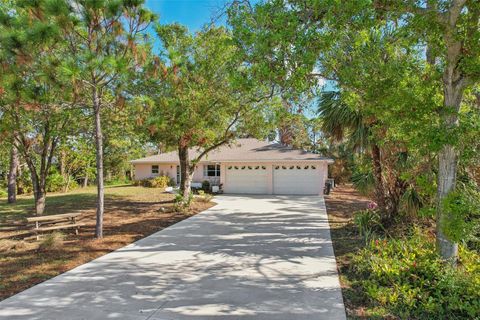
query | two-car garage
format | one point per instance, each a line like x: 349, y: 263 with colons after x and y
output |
x: 247, y: 166
x: 282, y: 178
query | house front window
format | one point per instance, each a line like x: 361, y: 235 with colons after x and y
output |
x: 211, y: 170
x: 155, y: 169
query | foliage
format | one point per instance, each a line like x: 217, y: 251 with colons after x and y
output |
x: 197, y: 95
x: 117, y: 182
x: 24, y: 183
x: 402, y: 66
x: 411, y: 202
x: 204, y: 197
x: 206, y: 185
x: 182, y: 203
x: 157, y: 182
x: 463, y: 214
x: 368, y: 222
x: 56, y: 182
x: 35, y: 106
x: 363, y: 180
x: 406, y: 278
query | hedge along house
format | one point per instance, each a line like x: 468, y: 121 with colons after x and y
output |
x: 249, y: 166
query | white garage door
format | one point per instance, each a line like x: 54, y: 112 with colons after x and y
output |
x: 251, y: 179
x: 297, y: 179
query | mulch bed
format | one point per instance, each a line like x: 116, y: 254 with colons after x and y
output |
x: 341, y: 204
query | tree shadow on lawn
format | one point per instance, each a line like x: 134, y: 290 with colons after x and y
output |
x: 26, y: 266
x: 74, y: 202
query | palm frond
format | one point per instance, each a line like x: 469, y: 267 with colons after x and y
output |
x: 339, y: 121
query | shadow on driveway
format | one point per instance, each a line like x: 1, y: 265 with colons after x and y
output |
x: 258, y: 257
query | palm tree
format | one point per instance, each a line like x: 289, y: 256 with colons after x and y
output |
x: 340, y: 122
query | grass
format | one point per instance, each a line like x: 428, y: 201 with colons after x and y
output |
x: 341, y: 204
x: 79, y: 199
x: 131, y: 213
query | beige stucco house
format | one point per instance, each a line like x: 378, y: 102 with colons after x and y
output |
x: 248, y: 166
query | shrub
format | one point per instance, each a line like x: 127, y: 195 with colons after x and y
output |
x: 52, y: 241
x: 160, y: 182
x: 367, y: 221
x: 3, y: 192
x: 363, y: 180
x: 462, y: 214
x: 56, y: 182
x: 206, y: 185
x: 182, y: 204
x: 157, y: 182
x: 24, y: 183
x: 406, y: 278
x: 411, y: 202
x: 118, y: 181
x: 204, y: 197
x: 172, y: 182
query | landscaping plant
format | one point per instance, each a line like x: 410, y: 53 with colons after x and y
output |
x: 405, y: 277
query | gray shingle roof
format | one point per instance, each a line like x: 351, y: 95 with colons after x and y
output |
x: 242, y: 150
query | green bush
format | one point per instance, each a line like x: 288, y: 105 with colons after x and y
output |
x: 406, y: 278
x: 182, y: 204
x: 157, y: 182
x: 367, y: 221
x: 206, y: 185
x: 204, y: 197
x: 117, y: 181
x: 3, y: 192
x: 363, y: 181
x: 24, y: 183
x: 56, y: 182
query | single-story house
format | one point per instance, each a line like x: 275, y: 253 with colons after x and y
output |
x: 248, y: 166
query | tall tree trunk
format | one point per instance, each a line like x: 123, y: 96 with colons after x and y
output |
x: 39, y: 191
x: 377, y: 175
x: 12, y: 174
x: 99, y: 163
x: 186, y: 172
x: 85, y: 180
x: 447, y: 169
x: 62, y: 163
x: 453, y: 87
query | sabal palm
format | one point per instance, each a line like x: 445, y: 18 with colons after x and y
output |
x: 341, y: 122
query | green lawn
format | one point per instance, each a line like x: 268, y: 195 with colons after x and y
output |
x: 79, y: 199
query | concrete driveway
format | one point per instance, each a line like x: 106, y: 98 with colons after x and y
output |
x: 259, y: 257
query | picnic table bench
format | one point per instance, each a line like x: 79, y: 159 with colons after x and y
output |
x: 41, y: 224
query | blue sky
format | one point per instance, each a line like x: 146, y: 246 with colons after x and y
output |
x: 192, y: 13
